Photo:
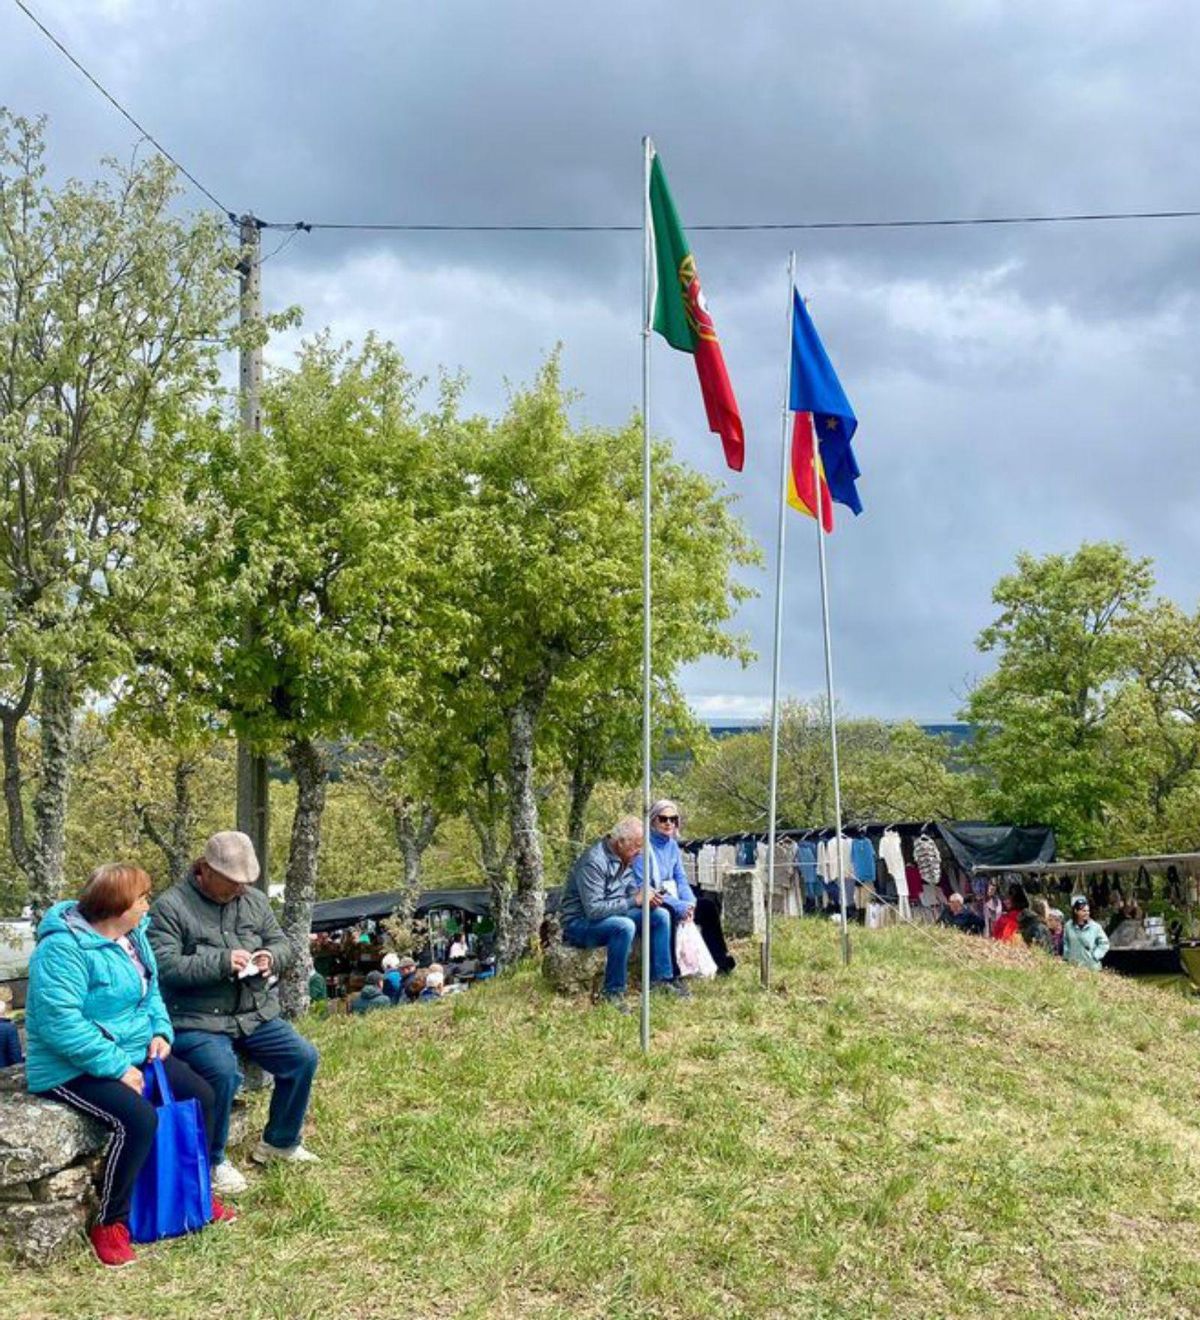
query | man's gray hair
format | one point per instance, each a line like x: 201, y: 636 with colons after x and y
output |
x: 626, y: 830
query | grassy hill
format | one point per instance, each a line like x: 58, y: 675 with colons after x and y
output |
x: 945, y: 1129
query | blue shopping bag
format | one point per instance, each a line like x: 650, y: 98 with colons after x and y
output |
x: 172, y: 1194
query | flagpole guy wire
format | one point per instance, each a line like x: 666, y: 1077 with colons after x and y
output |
x: 780, y: 547
x: 647, y: 329
x: 833, y: 740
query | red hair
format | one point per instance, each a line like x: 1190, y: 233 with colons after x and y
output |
x: 112, y: 889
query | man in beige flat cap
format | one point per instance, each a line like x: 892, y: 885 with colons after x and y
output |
x: 220, y: 952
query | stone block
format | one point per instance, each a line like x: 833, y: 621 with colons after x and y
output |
x: 74, y: 1184
x: 37, y: 1232
x: 12, y: 1079
x: 39, y: 1137
x: 15, y: 1192
x: 743, y: 906
x: 574, y: 971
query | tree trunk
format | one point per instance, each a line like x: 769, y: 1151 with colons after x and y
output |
x: 496, y: 863
x: 414, y: 825
x: 527, y: 902
x: 11, y: 717
x: 176, y: 843
x: 56, y: 722
x: 582, y: 788
x: 311, y: 771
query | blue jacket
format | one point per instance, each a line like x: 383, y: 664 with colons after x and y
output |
x: 87, y: 1012
x: 668, y: 865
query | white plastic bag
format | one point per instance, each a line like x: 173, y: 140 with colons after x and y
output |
x: 691, y: 953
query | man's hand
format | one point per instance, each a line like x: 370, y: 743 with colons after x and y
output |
x: 238, y: 959
x: 263, y: 961
x: 635, y: 899
x: 132, y: 1077
x: 160, y: 1047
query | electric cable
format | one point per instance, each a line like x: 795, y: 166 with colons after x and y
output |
x: 112, y: 100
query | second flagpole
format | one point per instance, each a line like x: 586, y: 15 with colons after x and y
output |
x: 780, y: 546
x: 833, y: 741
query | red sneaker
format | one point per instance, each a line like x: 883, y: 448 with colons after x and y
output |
x: 222, y: 1214
x: 110, y: 1242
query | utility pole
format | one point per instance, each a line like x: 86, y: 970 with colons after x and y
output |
x: 253, y: 805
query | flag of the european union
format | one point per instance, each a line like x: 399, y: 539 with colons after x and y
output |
x: 816, y: 389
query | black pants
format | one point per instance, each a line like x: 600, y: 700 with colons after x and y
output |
x: 708, y: 918
x: 132, y: 1121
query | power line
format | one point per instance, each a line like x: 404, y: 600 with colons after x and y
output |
x: 787, y: 226
x: 112, y: 100
x: 777, y: 227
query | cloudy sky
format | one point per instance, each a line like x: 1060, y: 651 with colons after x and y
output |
x: 1017, y: 387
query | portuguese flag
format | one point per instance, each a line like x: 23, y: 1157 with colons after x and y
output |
x: 681, y: 317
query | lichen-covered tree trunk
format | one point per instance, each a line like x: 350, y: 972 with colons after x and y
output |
x: 414, y: 824
x: 12, y: 715
x: 311, y: 771
x: 528, y: 899
x: 56, y: 726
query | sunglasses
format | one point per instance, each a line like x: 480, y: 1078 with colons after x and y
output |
x: 668, y: 820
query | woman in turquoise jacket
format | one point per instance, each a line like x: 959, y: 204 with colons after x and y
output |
x: 93, y: 1018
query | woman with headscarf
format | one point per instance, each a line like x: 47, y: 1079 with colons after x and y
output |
x: 668, y: 878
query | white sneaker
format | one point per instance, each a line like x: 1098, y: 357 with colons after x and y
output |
x: 227, y: 1181
x: 264, y: 1153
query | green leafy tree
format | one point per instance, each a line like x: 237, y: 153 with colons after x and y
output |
x: 112, y: 312
x: 1067, y: 638
x: 327, y: 591
x: 548, y: 559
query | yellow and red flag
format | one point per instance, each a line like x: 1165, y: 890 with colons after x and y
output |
x: 801, y: 475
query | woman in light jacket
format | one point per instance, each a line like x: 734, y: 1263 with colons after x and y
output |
x: 94, y: 1017
x: 1084, y: 940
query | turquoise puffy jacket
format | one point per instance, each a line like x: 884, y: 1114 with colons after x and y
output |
x: 87, y: 1011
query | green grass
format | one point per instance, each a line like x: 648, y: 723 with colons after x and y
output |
x: 908, y: 1137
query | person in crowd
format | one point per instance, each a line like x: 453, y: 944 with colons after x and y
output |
x: 1054, y: 923
x: 414, y: 987
x: 1033, y: 925
x: 94, y: 1019
x: 960, y: 917
x: 10, y: 1038
x: 220, y: 954
x: 668, y: 879
x: 991, y: 907
x: 1127, y: 930
x: 1084, y: 940
x: 435, y: 982
x: 318, y: 988
x: 598, y: 911
x: 1006, y: 927
x: 458, y: 947
x: 372, y: 995
x: 392, y: 980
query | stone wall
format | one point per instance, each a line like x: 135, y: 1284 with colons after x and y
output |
x: 48, y: 1161
x: 743, y: 907
x: 49, y: 1158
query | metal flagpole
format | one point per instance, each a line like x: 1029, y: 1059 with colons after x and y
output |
x: 647, y: 329
x: 780, y: 545
x: 837, y: 783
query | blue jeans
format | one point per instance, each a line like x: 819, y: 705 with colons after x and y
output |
x: 616, y: 935
x: 278, y: 1048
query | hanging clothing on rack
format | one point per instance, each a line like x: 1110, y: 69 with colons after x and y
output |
x: 828, y: 868
x: 806, y: 864
x: 928, y: 859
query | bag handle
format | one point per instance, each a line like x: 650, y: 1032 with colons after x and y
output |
x: 156, y: 1078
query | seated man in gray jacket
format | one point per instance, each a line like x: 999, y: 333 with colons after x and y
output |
x: 596, y: 912
x: 220, y: 953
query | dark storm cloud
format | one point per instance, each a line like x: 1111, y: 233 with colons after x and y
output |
x: 1016, y: 387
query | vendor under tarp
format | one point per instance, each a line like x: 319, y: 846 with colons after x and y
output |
x: 338, y: 913
x: 1113, y: 865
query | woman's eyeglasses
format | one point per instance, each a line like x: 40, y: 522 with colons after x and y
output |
x: 668, y: 820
